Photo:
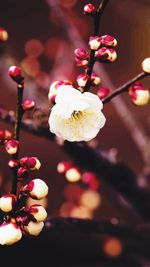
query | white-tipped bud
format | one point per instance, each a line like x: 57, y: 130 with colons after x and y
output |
x: 139, y: 95
x: 108, y: 40
x: 82, y: 80
x: 95, y: 79
x: 36, y: 188
x: 38, y: 212
x: 7, y: 202
x: 95, y: 42
x: 33, y: 228
x: 89, y: 9
x: 146, y: 65
x: 33, y: 163
x: 54, y: 87
x: 10, y: 233
x: 12, y: 146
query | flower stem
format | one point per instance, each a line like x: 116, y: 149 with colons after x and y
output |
x: 19, y: 114
x: 97, y: 18
x: 124, y: 88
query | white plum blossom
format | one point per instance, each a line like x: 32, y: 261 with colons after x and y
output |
x: 76, y: 116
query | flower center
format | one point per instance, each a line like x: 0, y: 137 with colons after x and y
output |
x: 77, y: 115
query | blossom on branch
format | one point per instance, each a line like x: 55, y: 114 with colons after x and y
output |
x: 76, y: 116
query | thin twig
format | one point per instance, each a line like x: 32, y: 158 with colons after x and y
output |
x: 19, y: 114
x: 97, y: 18
x: 124, y: 88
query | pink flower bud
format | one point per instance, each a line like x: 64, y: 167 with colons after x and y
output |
x: 81, y: 63
x: 139, y: 95
x: 22, y: 173
x: 12, y: 146
x: 31, y: 163
x: 3, y: 35
x: 38, y: 212
x: 89, y: 9
x: 106, y: 54
x: 10, y: 233
x: 7, y: 202
x: 63, y: 166
x: 12, y: 163
x: 54, y: 87
x: 95, y: 79
x: 81, y: 53
x: 73, y: 175
x: 82, y: 80
x: 33, y: 228
x: 95, y: 42
x: 146, y: 65
x: 28, y: 104
x: 103, y: 92
x: 36, y: 188
x: 108, y: 40
x: 15, y: 73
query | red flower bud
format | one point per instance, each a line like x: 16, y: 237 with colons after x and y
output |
x: 95, y: 79
x: 108, y: 40
x: 15, y: 73
x: 3, y: 35
x: 28, y: 104
x: 139, y: 95
x: 30, y: 163
x: 54, y: 87
x: 103, y: 92
x: 12, y: 146
x: 81, y: 63
x: 81, y: 53
x: 82, y: 80
x: 106, y: 54
x: 22, y: 173
x: 73, y: 175
x: 95, y: 42
x: 12, y: 163
x: 89, y: 9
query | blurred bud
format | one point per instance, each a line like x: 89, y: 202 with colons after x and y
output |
x: 33, y: 228
x: 146, y: 65
x: 139, y: 95
x: 89, y: 9
x: 108, y: 40
x: 15, y: 73
x: 36, y: 188
x: 103, y: 92
x: 81, y: 53
x: 82, y: 80
x: 54, y: 87
x: 7, y: 202
x: 63, y: 166
x: 12, y: 146
x: 28, y: 104
x: 90, y: 199
x: 81, y: 63
x: 38, y: 212
x: 90, y: 178
x: 31, y: 163
x: 3, y: 35
x: 12, y: 163
x: 73, y: 175
x: 22, y: 173
x: 95, y: 79
x: 95, y: 42
x: 8, y: 135
x: 106, y: 54
x: 10, y: 233
x: 4, y: 135
x: 112, y: 247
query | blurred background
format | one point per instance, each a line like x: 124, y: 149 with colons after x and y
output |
x: 43, y: 35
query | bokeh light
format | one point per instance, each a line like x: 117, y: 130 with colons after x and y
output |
x: 68, y: 3
x: 90, y: 199
x: 73, y: 175
x: 31, y: 66
x: 73, y: 192
x: 113, y: 247
x: 81, y: 212
x: 34, y: 48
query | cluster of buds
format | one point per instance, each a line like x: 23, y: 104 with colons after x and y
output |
x: 139, y: 95
x: 24, y: 165
x: 83, y: 79
x: 17, y: 219
x: 3, y: 35
x: 54, y: 87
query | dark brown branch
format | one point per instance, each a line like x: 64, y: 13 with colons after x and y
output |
x: 97, y: 18
x: 19, y: 114
x: 124, y: 88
